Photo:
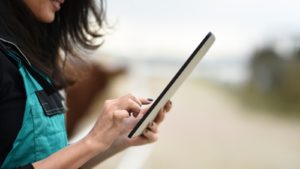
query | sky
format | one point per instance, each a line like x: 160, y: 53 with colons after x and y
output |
x: 173, y: 28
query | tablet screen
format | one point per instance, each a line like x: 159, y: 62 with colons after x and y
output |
x: 173, y: 85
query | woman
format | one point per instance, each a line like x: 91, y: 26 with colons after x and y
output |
x: 39, y: 40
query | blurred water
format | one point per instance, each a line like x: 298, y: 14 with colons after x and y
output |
x: 233, y: 72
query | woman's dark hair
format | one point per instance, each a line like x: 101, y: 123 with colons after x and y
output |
x: 71, y: 32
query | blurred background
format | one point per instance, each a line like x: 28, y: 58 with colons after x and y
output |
x: 241, y: 106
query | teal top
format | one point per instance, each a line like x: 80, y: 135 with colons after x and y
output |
x: 43, y: 129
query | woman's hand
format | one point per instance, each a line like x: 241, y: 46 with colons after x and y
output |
x: 122, y: 141
x: 149, y: 135
x: 110, y: 124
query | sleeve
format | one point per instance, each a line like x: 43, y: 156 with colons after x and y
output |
x: 29, y: 166
x: 1, y: 71
x: 12, y: 105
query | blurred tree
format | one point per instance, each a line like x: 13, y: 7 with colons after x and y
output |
x: 297, y: 48
x: 276, y: 77
x: 266, y: 70
x: 297, y: 53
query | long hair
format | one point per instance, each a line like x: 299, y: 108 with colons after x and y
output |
x: 70, y: 32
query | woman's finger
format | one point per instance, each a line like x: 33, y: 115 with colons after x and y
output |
x: 160, y: 116
x: 133, y: 108
x: 119, y: 115
x: 145, y: 100
x: 153, y: 127
x: 162, y: 113
x: 150, y: 136
x: 168, y: 106
x: 135, y: 99
x: 131, y: 103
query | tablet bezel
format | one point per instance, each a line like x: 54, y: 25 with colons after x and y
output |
x: 208, y: 40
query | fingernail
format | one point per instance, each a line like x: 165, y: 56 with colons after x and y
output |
x: 149, y: 99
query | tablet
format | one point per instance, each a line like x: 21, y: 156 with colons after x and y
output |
x: 173, y: 85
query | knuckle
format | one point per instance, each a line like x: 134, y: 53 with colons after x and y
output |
x: 109, y: 105
x: 107, y: 102
x: 130, y: 95
x: 131, y: 104
x: 117, y: 115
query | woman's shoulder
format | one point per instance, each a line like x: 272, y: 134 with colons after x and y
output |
x: 5, y: 63
x: 9, y: 74
x: 7, y: 66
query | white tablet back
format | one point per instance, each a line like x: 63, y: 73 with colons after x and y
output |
x: 173, y: 85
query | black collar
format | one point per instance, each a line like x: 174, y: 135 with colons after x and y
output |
x: 7, y: 43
